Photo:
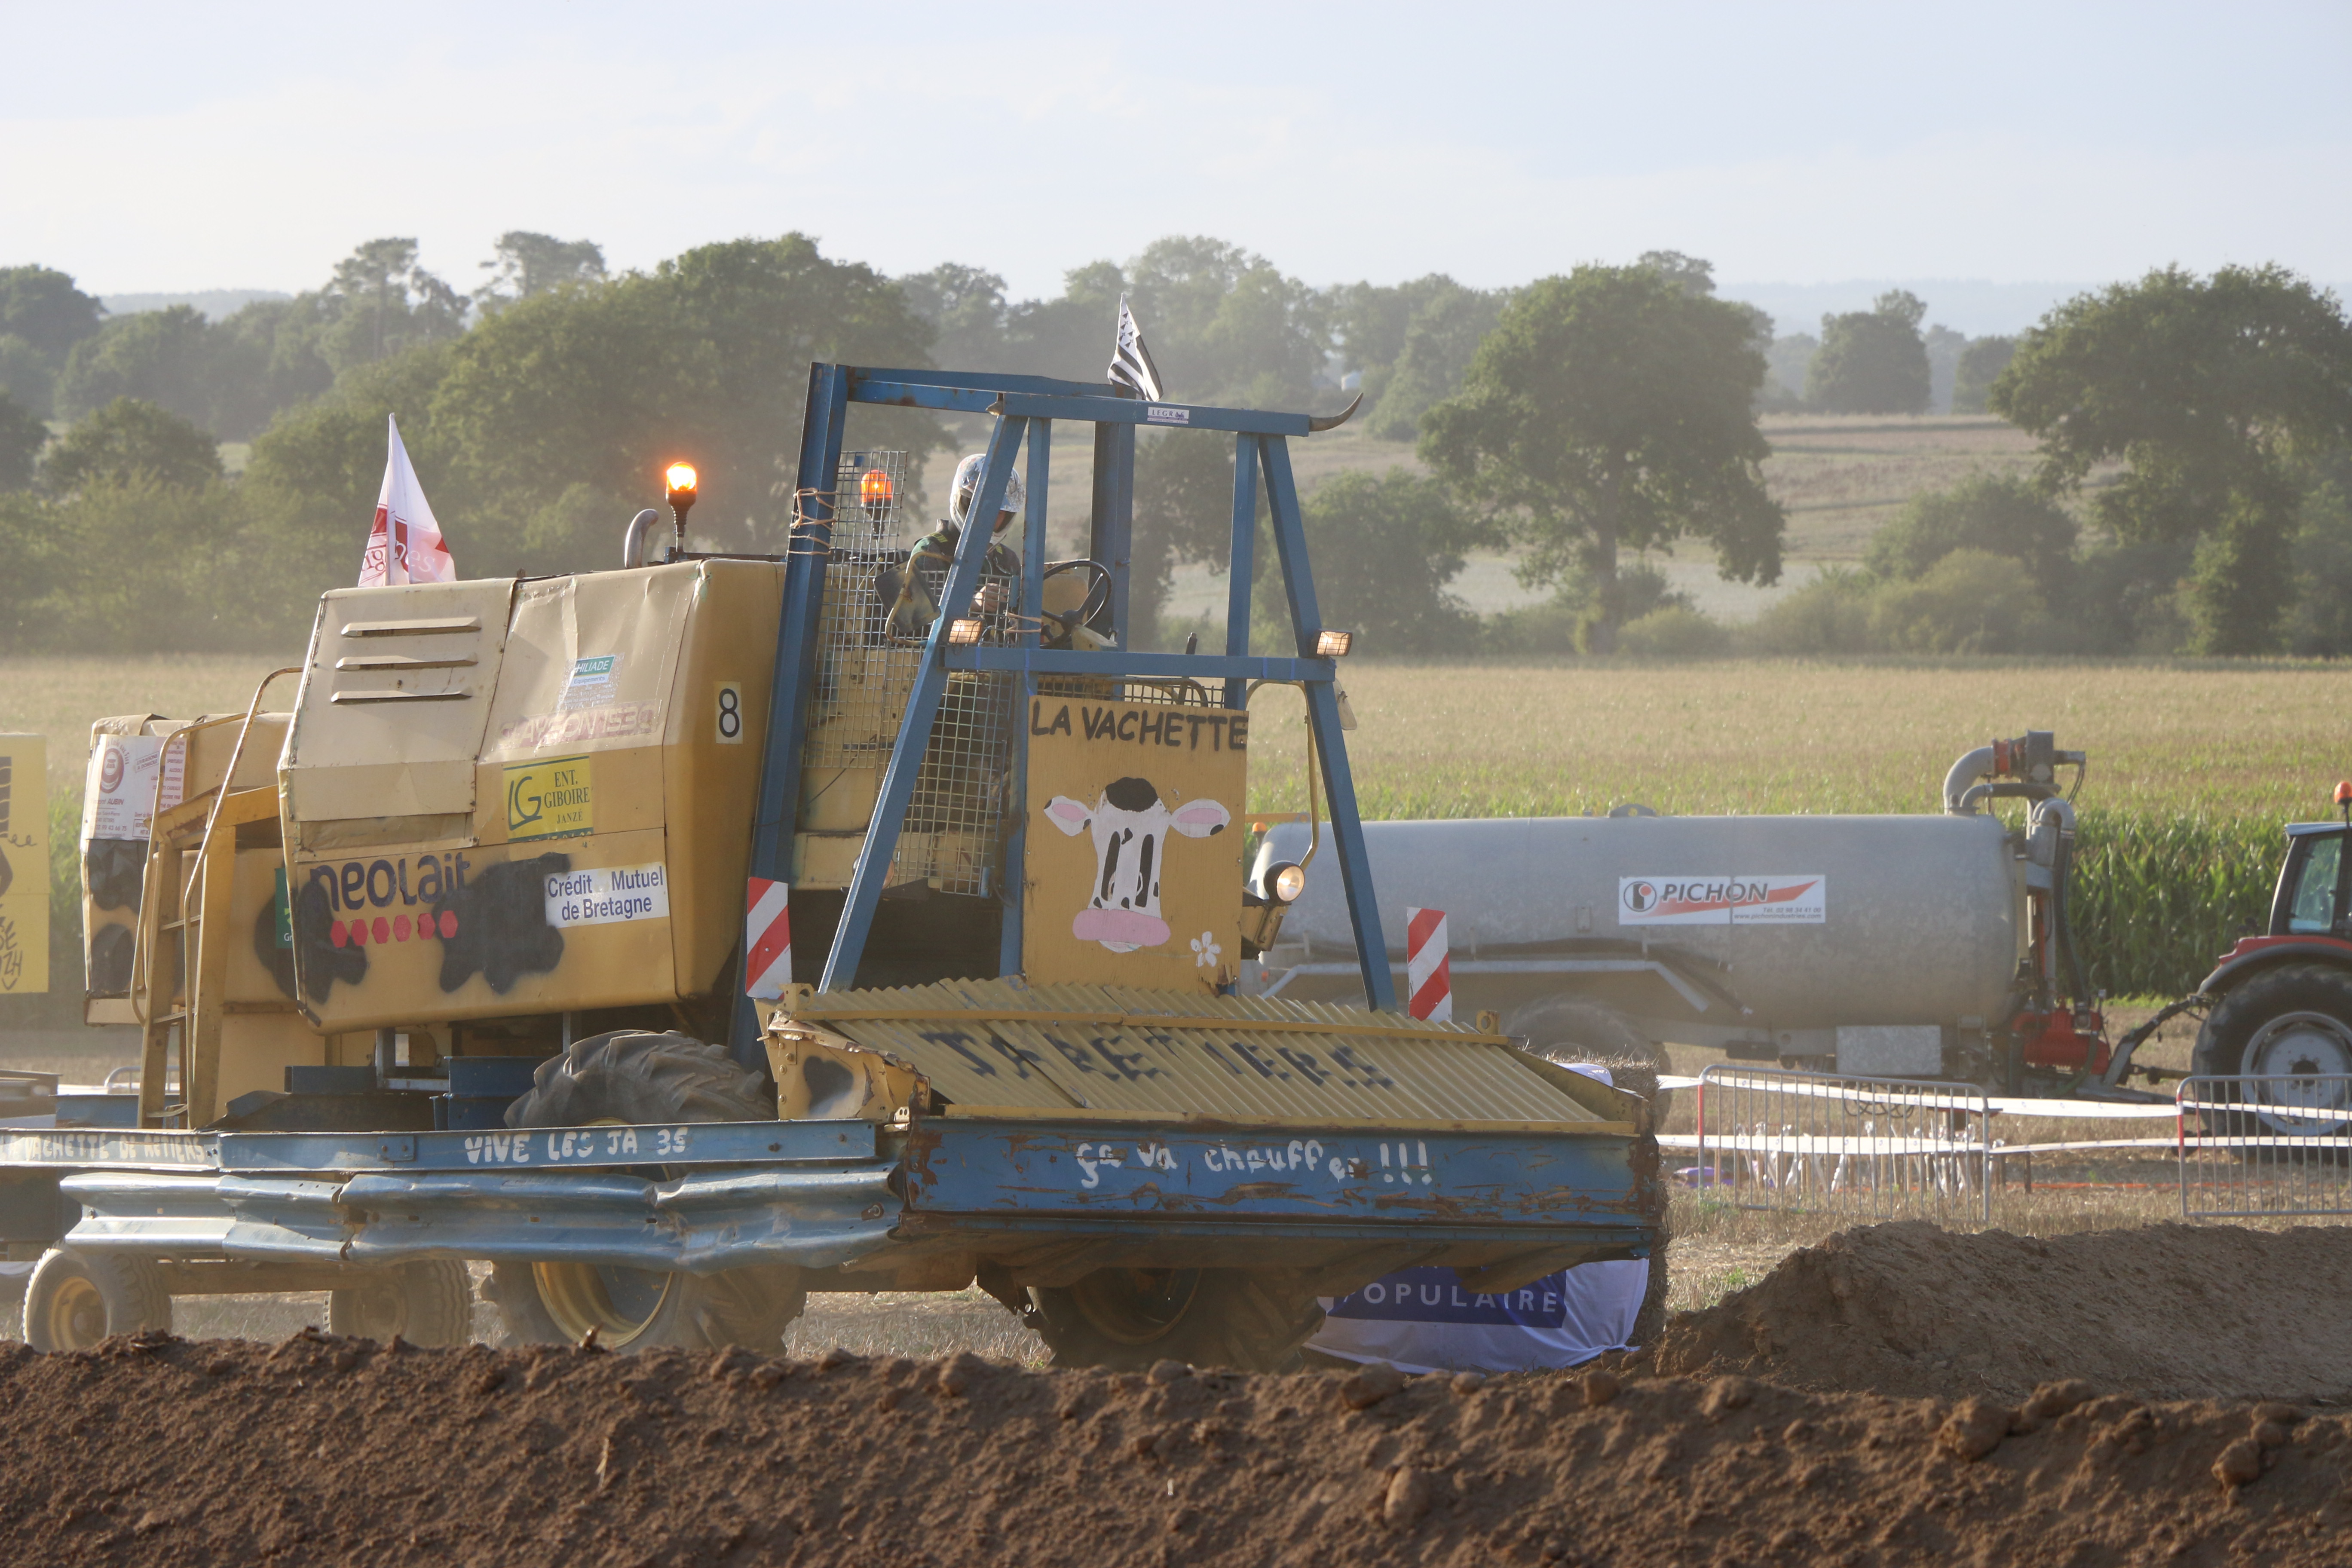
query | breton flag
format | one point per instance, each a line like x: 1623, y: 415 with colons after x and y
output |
x: 1131, y: 362
x: 404, y: 531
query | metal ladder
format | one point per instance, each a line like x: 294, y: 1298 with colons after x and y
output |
x: 180, y: 909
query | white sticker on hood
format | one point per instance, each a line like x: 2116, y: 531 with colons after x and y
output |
x: 1722, y: 900
x: 607, y: 895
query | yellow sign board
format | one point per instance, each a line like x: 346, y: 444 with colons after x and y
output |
x: 24, y: 865
x: 552, y: 799
x: 1134, y: 857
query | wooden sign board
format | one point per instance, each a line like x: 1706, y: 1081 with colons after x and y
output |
x: 1134, y: 844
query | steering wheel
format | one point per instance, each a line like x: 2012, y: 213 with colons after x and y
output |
x: 1098, y: 592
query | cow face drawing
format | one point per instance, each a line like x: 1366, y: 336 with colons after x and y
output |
x: 1131, y: 825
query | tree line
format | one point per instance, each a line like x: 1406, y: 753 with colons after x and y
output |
x: 2190, y: 493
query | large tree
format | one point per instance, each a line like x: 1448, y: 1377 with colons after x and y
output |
x: 705, y: 358
x: 1873, y: 360
x: 1612, y: 409
x: 527, y: 264
x: 156, y: 356
x: 1980, y: 366
x: 1439, y: 343
x: 381, y: 301
x: 2212, y: 391
x: 131, y: 440
x: 41, y: 305
x: 22, y: 437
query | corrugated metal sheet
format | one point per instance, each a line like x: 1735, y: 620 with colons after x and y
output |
x: 1001, y: 1044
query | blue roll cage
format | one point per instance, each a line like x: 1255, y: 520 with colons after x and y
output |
x: 1025, y: 407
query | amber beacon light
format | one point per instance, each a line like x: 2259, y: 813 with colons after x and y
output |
x: 874, y: 492
x: 677, y: 485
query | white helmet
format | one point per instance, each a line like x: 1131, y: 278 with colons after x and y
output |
x: 966, y: 479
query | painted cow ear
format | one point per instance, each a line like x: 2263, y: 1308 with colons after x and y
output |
x: 1071, y: 816
x: 1200, y: 819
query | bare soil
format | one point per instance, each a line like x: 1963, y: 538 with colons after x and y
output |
x: 159, y: 1450
x: 2162, y: 1311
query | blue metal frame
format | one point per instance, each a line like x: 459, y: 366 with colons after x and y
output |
x: 881, y: 842
x: 1564, y: 1183
x: 1010, y: 894
x: 808, y: 548
x: 1242, y: 563
x: 1025, y: 407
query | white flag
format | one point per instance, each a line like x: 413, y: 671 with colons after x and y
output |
x: 404, y: 530
x: 1131, y: 362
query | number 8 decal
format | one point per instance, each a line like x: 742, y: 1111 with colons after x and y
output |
x: 731, y: 713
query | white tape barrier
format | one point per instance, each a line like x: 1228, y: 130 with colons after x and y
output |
x: 2014, y: 1104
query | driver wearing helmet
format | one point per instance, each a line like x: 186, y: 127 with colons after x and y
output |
x: 916, y: 602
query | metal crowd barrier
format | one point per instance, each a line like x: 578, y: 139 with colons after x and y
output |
x: 1860, y: 1148
x: 2257, y: 1146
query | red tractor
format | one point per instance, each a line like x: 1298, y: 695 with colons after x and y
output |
x: 2282, y: 1002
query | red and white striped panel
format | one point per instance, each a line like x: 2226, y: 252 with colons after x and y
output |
x: 767, y: 940
x: 1428, y: 973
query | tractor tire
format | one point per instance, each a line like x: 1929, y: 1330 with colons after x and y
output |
x: 1127, y: 1319
x: 635, y: 1078
x: 76, y: 1299
x: 1572, y: 1030
x: 2292, y: 1025
x: 428, y: 1304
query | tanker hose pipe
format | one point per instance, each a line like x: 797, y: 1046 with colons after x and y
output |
x: 633, y: 542
x: 1971, y: 767
x: 2058, y: 816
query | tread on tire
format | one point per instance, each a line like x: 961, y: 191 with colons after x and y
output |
x: 638, y: 1076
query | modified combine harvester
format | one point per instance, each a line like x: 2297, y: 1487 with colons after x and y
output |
x: 685, y: 939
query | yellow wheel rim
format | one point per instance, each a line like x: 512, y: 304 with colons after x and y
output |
x: 619, y: 1303
x: 75, y: 1316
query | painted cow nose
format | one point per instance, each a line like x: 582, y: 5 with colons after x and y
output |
x: 1119, y: 925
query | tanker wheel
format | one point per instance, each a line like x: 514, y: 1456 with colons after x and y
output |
x: 429, y: 1303
x: 76, y: 1299
x: 633, y: 1078
x: 1127, y: 1319
x: 2290, y: 1029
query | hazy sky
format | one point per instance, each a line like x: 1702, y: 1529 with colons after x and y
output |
x: 177, y: 147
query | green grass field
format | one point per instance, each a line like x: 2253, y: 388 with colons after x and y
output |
x: 2179, y: 738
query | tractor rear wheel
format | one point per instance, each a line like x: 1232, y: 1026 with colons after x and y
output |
x: 2288, y: 1032
x: 1127, y: 1319
x: 635, y: 1078
x: 429, y: 1303
x: 76, y: 1299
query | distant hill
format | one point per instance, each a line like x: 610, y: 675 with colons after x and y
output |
x: 215, y: 303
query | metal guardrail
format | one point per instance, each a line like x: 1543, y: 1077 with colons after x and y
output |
x: 2257, y: 1146
x: 1862, y: 1148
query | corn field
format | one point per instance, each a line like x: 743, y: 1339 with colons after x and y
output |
x: 2156, y: 897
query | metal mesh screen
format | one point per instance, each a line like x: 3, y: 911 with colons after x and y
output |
x: 1105, y: 688
x: 1871, y: 1149
x: 2265, y: 1146
x: 954, y: 828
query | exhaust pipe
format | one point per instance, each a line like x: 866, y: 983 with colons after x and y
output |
x: 633, y: 542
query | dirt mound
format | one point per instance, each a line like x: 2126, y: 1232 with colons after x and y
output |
x: 322, y: 1450
x: 2170, y: 1312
